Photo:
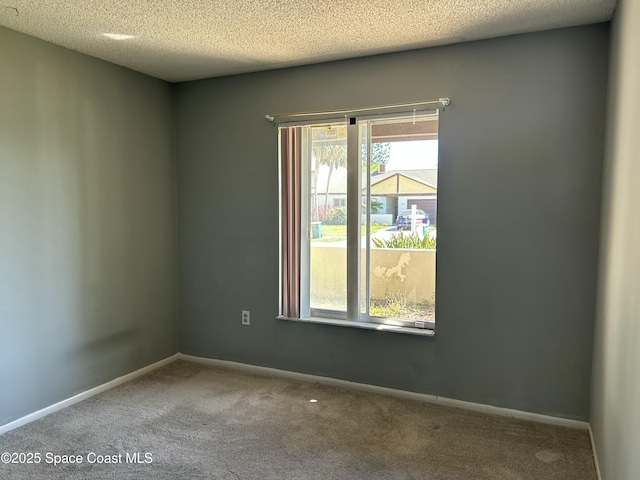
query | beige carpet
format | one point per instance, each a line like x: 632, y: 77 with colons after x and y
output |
x: 191, y: 421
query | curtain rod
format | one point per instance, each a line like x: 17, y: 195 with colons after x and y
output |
x: 442, y: 102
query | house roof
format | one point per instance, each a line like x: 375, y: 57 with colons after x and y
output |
x: 428, y: 178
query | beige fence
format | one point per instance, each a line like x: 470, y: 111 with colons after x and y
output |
x: 394, y: 271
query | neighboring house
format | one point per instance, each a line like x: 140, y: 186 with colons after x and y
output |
x: 396, y: 190
x: 399, y: 190
x: 337, y: 193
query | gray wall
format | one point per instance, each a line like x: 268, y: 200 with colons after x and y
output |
x: 615, y: 413
x: 88, y: 238
x: 519, y: 201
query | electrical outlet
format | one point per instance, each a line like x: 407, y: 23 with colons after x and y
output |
x: 246, y: 317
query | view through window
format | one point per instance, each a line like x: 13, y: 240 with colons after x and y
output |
x: 394, y: 164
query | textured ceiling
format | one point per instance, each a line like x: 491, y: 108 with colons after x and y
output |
x: 180, y: 40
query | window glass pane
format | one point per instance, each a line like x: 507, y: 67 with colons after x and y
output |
x: 399, y: 198
x: 328, y: 218
x: 365, y: 224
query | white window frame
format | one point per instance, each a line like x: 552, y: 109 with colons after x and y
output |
x: 353, y: 317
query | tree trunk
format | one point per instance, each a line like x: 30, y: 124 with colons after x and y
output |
x: 326, y: 193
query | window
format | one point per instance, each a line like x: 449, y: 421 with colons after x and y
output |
x: 368, y: 259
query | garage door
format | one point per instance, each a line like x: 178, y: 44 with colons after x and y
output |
x: 428, y: 205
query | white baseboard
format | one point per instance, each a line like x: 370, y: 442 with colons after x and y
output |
x: 595, y: 453
x: 86, y: 394
x: 422, y: 397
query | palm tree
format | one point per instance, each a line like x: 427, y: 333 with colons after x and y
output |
x: 333, y: 156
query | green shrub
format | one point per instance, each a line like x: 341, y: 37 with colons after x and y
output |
x: 337, y: 216
x: 400, y: 240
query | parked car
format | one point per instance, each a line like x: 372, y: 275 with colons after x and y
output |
x: 403, y: 222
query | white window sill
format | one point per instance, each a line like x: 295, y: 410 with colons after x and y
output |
x: 423, y: 332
